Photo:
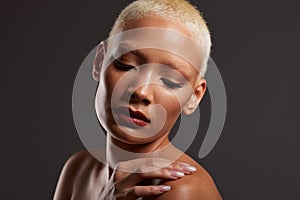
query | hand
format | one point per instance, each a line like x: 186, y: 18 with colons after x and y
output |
x: 125, y: 179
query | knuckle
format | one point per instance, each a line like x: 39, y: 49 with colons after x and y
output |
x: 164, y: 172
x: 135, y: 191
x: 176, y: 165
x: 153, y: 190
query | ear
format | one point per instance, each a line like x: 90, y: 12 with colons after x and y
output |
x: 195, y: 99
x: 100, y: 52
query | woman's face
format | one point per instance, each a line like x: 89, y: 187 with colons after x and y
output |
x: 142, y: 92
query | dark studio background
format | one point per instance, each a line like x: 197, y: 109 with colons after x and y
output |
x: 256, y: 44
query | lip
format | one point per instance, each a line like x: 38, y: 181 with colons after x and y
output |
x: 135, y: 117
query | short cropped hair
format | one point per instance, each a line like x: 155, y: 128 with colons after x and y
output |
x: 180, y: 10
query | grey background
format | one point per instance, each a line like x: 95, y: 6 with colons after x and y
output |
x: 256, y: 44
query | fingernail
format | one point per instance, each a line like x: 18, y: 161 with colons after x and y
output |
x: 189, y: 168
x: 165, y: 188
x: 177, y: 174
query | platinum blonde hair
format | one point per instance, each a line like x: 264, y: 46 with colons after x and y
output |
x: 180, y: 10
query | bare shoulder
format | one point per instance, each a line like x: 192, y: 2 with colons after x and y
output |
x: 80, y: 164
x: 198, y: 185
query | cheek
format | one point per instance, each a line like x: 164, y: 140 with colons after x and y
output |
x: 110, y: 84
x: 174, y: 100
x: 110, y: 79
x: 104, y: 91
x: 170, y: 103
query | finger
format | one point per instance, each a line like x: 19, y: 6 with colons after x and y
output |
x: 133, y: 179
x: 153, y: 163
x: 145, y: 191
x: 184, y: 167
x: 151, y: 168
x: 173, y: 171
x: 163, y: 173
x: 158, y: 163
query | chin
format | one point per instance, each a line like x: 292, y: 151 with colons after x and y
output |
x: 121, y: 136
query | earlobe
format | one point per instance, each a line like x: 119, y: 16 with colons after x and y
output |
x: 98, y: 61
x: 191, y: 106
x: 195, y: 99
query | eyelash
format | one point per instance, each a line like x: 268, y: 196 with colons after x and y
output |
x: 121, y: 66
x: 170, y: 84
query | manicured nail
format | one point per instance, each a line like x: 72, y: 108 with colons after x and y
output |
x: 177, y: 174
x: 165, y: 188
x: 189, y: 168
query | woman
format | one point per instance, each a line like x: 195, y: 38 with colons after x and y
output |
x: 146, y: 80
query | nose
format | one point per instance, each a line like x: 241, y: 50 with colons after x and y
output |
x: 143, y: 88
x: 142, y: 94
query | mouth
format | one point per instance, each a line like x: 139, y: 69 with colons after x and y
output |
x: 135, y: 117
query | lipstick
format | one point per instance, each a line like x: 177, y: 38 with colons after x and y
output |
x: 135, y: 117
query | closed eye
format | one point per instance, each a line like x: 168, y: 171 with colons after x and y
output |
x: 122, y: 66
x: 171, y: 84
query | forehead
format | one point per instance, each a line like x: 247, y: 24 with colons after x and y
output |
x: 160, y: 56
x: 158, y: 39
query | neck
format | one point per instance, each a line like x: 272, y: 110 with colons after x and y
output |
x: 117, y: 151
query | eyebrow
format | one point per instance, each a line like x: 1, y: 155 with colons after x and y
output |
x: 127, y: 46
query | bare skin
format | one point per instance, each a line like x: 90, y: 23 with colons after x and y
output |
x: 84, y: 177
